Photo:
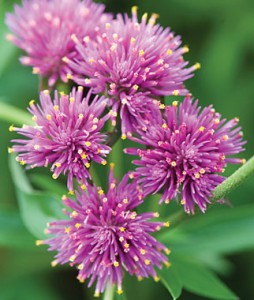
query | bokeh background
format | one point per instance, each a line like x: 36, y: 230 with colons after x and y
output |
x: 220, y: 35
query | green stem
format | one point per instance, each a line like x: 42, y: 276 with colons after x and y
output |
x: 109, y: 292
x: 233, y: 181
x: 14, y: 115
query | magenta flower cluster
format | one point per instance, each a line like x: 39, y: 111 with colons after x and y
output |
x: 127, y: 65
x: 103, y: 235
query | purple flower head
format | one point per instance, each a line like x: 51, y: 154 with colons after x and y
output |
x: 104, y: 236
x: 66, y: 135
x: 43, y: 29
x: 186, y: 149
x: 130, y: 58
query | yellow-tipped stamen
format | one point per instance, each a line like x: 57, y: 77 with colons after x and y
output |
x: 124, y: 137
x: 175, y: 103
x: 87, y: 165
x: 74, y: 38
x: 201, y: 128
x: 107, y: 25
x: 169, y: 52
x: 88, y: 144
x: 116, y: 264
x: 112, y: 165
x: 142, y: 251
x: 36, y: 70
x: 202, y: 171
x: 77, y: 225
x: 100, y: 192
x: 119, y: 291
x: 71, y: 192
x: 156, y: 215
x: 182, y: 202
x: 83, y: 187
x: 166, y: 224
x: 104, y: 162
x: 162, y: 106
x: 156, y: 278
x: 12, y: 128
x: 96, y: 294
x: 58, y: 164
x: 68, y: 76
x: 133, y: 40
x: 135, y: 87
x: 175, y: 92
x: 74, y: 214
x: 48, y: 117
x: 167, y: 264
x: 197, y: 175
x: 67, y: 229
x: 39, y: 242
x: 64, y: 197
x: 141, y: 52
x: 147, y: 262
x: 197, y: 66
x: 134, y: 10
x: 164, y: 125
x: 122, y: 229
x: 34, y: 118
x: 54, y: 176
x: 56, y: 107
x: 81, y: 267
x: 186, y: 49
x: 173, y: 163
x: 243, y: 161
x: 54, y: 263
x: 72, y: 258
x: 31, y: 103
x: 10, y: 150
x: 167, y: 251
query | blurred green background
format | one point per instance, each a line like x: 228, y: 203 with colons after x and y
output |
x: 220, y: 35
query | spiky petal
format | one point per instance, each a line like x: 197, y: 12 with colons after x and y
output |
x: 187, y: 149
x: 66, y: 135
x: 130, y: 59
x: 104, y: 236
x: 43, y: 29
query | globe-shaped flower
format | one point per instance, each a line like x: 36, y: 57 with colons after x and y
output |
x: 43, y: 29
x: 104, y: 236
x: 130, y: 58
x: 187, y: 149
x: 66, y: 135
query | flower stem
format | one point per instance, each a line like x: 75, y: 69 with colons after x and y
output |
x: 233, y: 181
x: 15, y: 115
x: 109, y: 292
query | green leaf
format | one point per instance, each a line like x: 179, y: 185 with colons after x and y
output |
x: 197, y: 279
x: 189, y: 273
x: 222, y: 230
x: 13, y: 234
x: 37, y: 208
x: 171, y: 281
x: 48, y: 184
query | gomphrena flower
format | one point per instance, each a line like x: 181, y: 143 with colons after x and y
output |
x: 130, y: 58
x: 186, y: 151
x: 103, y: 235
x: 43, y: 29
x: 66, y: 135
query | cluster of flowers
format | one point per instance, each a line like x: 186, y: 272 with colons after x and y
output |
x: 129, y: 65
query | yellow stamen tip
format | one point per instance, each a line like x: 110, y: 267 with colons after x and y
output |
x: 166, y: 224
x: 83, y: 187
x: 147, y: 262
x: 134, y: 9
x: 175, y: 92
x: 104, y: 162
x: 48, y: 117
x: 186, y: 49
x: 71, y: 192
x: 123, y: 137
x: 10, y: 150
x: 36, y: 70
x: 119, y: 292
x: 39, y: 243
x: 135, y: 87
x: 31, y: 102
x: 201, y: 128
x: 87, y: 165
x: 122, y: 229
x: 167, y: 251
x: 53, y: 263
x: 58, y: 164
x: 141, y: 52
x: 112, y: 165
x: 175, y: 103
x: 54, y: 176
x: 156, y: 278
x: 12, y: 128
x: 167, y: 264
x: 116, y: 264
x: 173, y: 163
x: 67, y: 229
x: 197, y: 66
x: 88, y: 144
x: 162, y: 106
